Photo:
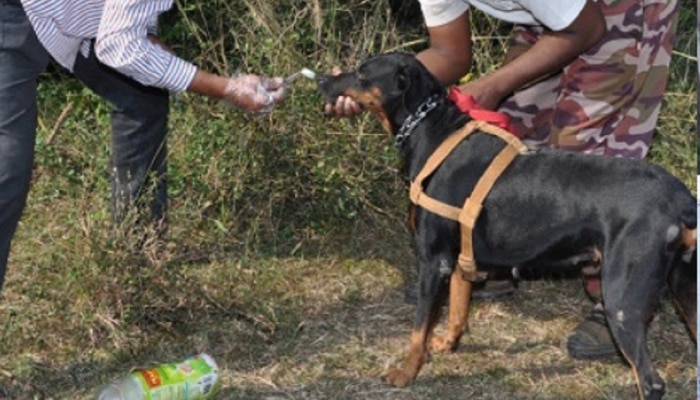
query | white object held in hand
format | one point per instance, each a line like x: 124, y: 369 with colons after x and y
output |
x: 304, y: 72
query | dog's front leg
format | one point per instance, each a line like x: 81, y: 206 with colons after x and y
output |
x: 417, y: 356
x: 458, y: 316
x: 430, y: 300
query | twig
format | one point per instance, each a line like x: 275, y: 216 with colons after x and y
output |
x: 407, y: 44
x: 59, y: 122
x: 7, y: 374
x: 684, y: 55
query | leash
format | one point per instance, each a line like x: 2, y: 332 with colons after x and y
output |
x: 465, y: 103
x: 470, y: 210
x: 468, y: 105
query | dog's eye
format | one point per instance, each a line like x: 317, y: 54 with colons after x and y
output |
x: 363, y: 80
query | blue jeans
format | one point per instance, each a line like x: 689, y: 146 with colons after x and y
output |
x: 139, y: 126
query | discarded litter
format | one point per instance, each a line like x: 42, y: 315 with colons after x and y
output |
x: 196, y: 378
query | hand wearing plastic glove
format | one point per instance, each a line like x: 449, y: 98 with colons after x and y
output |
x: 254, y: 94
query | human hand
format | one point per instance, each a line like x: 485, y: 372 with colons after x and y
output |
x: 485, y: 93
x: 344, y: 106
x: 254, y: 94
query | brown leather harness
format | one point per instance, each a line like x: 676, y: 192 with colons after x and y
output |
x: 468, y: 214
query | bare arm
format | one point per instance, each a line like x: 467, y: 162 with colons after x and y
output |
x: 549, y: 54
x: 121, y: 45
x: 208, y: 84
x: 449, y: 56
x: 204, y: 83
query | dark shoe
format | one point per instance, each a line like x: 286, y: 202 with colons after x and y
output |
x: 493, y: 290
x: 592, y: 340
x: 490, y: 290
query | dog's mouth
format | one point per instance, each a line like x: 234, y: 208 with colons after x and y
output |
x: 332, y: 87
x: 348, y: 84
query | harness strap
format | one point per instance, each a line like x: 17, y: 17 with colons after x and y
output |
x: 416, y: 193
x: 469, y: 213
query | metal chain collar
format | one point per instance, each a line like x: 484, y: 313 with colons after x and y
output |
x: 410, y: 123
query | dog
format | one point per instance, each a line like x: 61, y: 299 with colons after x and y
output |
x: 549, y: 208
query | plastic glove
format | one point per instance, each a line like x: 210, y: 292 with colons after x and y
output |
x: 276, y: 88
x: 254, y: 94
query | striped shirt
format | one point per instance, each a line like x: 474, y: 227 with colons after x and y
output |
x: 119, y: 27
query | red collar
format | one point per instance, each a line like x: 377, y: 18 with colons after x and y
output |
x: 469, y: 106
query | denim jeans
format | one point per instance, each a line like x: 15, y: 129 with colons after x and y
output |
x: 139, y: 126
x: 139, y: 122
x: 22, y: 59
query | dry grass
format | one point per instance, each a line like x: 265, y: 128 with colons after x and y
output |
x: 313, y: 327
x: 287, y: 255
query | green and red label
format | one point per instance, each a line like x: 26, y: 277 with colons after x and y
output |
x: 192, y: 379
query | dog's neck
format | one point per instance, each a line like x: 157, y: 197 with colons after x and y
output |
x: 412, y: 120
x: 422, y: 138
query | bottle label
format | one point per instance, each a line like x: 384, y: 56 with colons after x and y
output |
x: 192, y: 379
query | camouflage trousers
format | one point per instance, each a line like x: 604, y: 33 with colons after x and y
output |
x: 606, y: 101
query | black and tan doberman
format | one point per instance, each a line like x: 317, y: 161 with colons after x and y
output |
x: 548, y: 208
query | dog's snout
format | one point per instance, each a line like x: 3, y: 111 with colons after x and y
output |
x: 328, y: 88
x: 323, y: 79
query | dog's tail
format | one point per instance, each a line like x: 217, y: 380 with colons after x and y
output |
x: 683, y: 274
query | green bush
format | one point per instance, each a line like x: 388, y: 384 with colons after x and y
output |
x: 274, y: 178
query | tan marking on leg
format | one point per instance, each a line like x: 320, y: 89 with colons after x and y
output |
x: 689, y: 238
x: 458, y: 317
x: 417, y: 356
x: 690, y: 317
x: 412, y: 215
x: 640, y: 390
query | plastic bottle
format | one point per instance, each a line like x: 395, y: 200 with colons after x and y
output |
x: 196, y: 378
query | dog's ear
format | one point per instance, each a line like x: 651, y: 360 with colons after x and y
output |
x: 403, y: 79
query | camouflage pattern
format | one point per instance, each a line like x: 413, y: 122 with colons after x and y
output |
x: 606, y: 101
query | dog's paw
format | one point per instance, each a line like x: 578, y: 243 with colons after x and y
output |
x: 442, y: 344
x: 398, y: 377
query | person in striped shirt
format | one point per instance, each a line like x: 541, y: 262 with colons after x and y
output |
x: 112, y: 47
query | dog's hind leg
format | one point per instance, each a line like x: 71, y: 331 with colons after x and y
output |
x: 683, y: 281
x: 632, y: 284
x: 458, y: 314
x: 431, y: 296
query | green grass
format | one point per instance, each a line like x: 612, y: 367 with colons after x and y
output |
x: 287, y: 253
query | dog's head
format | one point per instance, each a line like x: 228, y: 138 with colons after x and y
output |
x: 391, y: 86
